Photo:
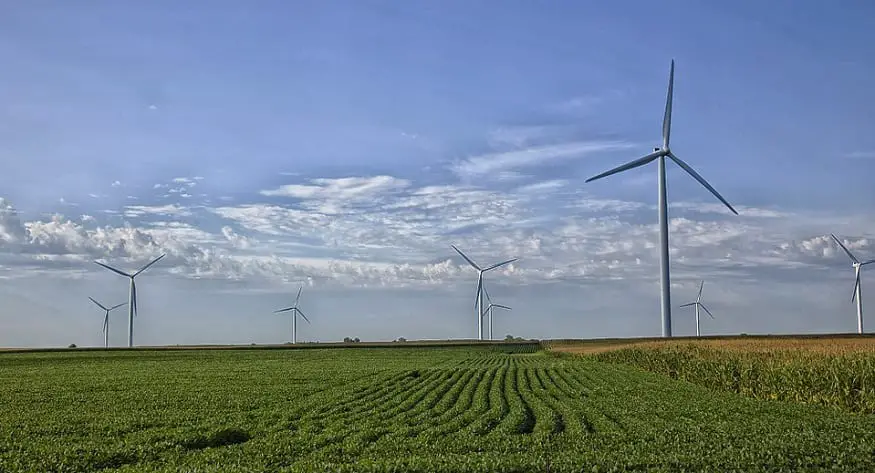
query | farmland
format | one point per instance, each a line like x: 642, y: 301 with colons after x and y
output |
x: 440, y: 408
x: 835, y: 372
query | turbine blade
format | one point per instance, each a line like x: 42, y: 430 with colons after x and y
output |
x: 298, y: 297
x: 105, y: 321
x: 689, y: 304
x: 486, y: 293
x: 117, y: 271
x: 701, y: 180
x: 98, y: 303
x: 485, y: 311
x: 856, y: 285
x: 701, y: 285
x: 501, y: 306
x: 117, y: 306
x: 500, y: 264
x: 850, y: 255
x: 867, y: 262
x: 706, y: 310
x: 283, y: 310
x: 630, y: 165
x: 666, y: 119
x: 466, y: 258
x: 150, y: 264
x: 479, y: 288
x: 302, y: 315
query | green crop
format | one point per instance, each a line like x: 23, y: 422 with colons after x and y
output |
x: 498, y: 408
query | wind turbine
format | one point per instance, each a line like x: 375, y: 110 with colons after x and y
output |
x: 660, y: 154
x: 489, y: 309
x: 858, y: 290
x: 698, y: 304
x: 295, y: 312
x: 132, y: 297
x: 106, y: 319
x: 479, y: 297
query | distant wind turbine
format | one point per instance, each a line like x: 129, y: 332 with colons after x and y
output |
x: 295, y: 313
x: 698, y: 304
x: 660, y: 154
x: 106, y: 319
x: 478, y: 302
x: 858, y: 290
x: 132, y: 297
x: 490, y: 309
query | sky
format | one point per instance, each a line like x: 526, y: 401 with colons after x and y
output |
x: 344, y: 146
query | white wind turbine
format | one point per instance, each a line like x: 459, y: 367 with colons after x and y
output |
x: 698, y: 304
x: 660, y: 154
x: 295, y: 313
x: 479, y: 297
x: 132, y: 297
x: 106, y: 319
x: 858, y: 290
x: 490, y: 309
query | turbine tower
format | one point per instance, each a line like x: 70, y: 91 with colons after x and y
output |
x: 490, y: 309
x: 295, y: 313
x: 132, y: 297
x: 106, y: 319
x: 660, y: 154
x: 858, y: 290
x: 698, y: 304
x: 478, y: 302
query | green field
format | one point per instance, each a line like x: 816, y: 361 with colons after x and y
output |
x: 496, y: 408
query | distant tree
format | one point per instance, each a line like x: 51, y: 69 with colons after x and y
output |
x: 401, y: 339
x: 508, y: 338
x: 347, y: 340
x: 72, y: 345
x: 356, y: 339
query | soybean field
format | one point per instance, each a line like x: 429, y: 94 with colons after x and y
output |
x: 500, y: 408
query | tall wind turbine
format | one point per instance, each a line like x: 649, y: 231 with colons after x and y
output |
x: 490, y: 309
x: 698, y: 304
x: 479, y: 297
x: 106, y: 319
x: 132, y: 297
x: 295, y: 313
x: 660, y: 154
x: 858, y: 290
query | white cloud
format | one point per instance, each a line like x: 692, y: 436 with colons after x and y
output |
x: 543, y: 186
x: 342, y: 189
x: 861, y: 155
x: 163, y: 210
x: 116, y: 183
x: 509, y: 160
x: 383, y: 231
x: 189, y: 182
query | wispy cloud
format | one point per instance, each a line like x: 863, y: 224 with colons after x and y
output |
x: 342, y: 189
x: 494, y: 163
x: 861, y: 155
x: 543, y: 186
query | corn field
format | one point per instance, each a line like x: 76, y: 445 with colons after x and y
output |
x: 830, y: 372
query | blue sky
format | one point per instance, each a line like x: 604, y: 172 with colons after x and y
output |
x: 346, y: 145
